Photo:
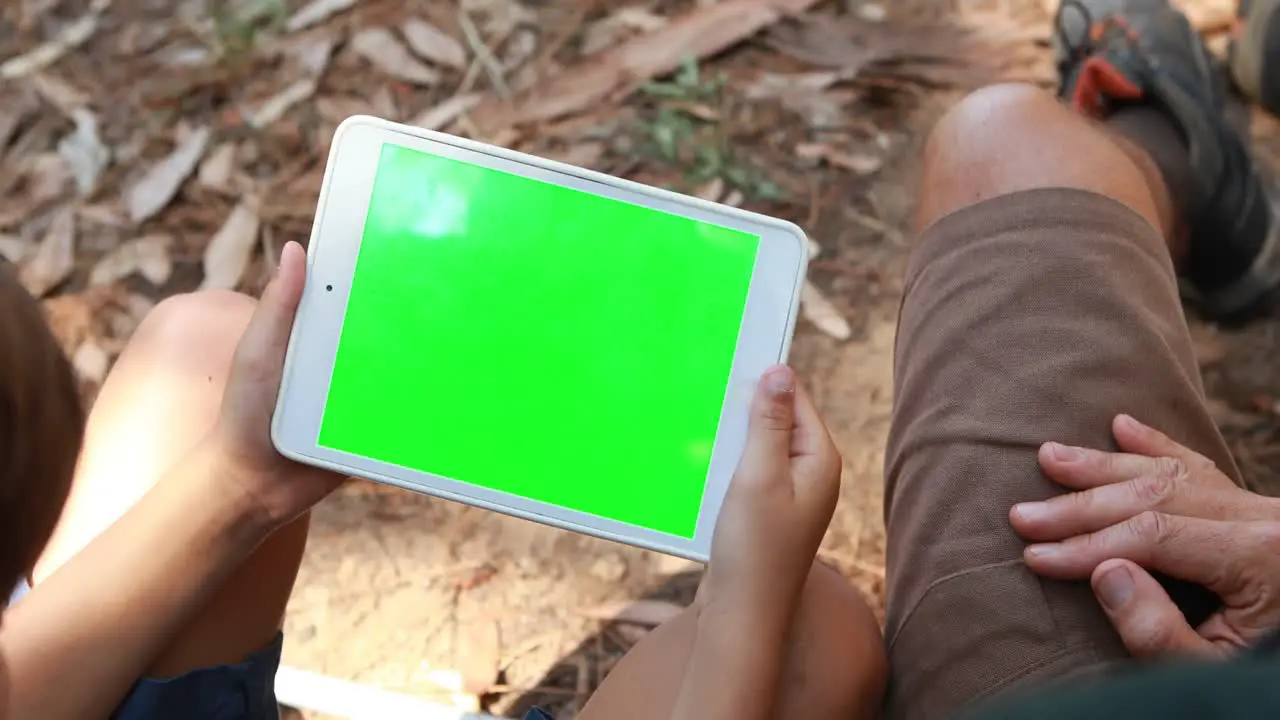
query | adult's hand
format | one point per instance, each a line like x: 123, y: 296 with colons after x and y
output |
x: 1157, y: 506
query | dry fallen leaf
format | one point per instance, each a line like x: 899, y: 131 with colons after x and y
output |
x: 638, y: 612
x: 84, y: 153
x: 59, y: 93
x: 15, y: 105
x: 479, y: 657
x: 696, y: 34
x: 310, y: 52
x: 228, y: 253
x: 90, y: 362
x: 73, y: 35
x: 54, y: 258
x: 335, y: 109
x: 159, y: 186
x: 1206, y: 345
x: 215, y: 171
x: 632, y: 634
x: 47, y: 175
x: 438, y: 116
x: 148, y: 256
x: 314, y: 12
x: 817, y: 309
x: 452, y: 692
x: 432, y: 43
x: 860, y: 163
x: 385, y: 52
x: 12, y: 248
x: 712, y: 191
x: 622, y: 23
x: 277, y: 105
x: 872, y: 12
x: 105, y: 214
x: 583, y: 154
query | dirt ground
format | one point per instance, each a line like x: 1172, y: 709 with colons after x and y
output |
x: 149, y: 147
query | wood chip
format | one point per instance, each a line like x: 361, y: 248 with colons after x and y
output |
x: 148, y: 256
x: 228, y: 253
x: 438, y: 116
x: 315, y: 12
x: 638, y: 612
x: 84, y: 153
x: 159, y: 186
x: 215, y: 171
x: 431, y: 43
x: 385, y: 52
x: 54, y: 258
x: 72, y: 36
x: 697, y: 34
x: 817, y: 309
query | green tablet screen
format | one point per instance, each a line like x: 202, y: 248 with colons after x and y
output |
x: 538, y: 340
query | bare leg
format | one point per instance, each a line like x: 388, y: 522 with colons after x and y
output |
x: 160, y: 399
x: 835, y: 666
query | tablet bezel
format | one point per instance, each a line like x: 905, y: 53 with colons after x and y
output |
x: 764, y: 339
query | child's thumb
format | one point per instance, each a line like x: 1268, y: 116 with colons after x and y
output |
x: 266, y: 339
x: 773, y: 418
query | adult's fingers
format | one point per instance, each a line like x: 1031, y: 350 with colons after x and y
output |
x: 1083, y: 468
x: 1135, y: 437
x: 1209, y: 552
x: 1167, y: 491
x: 1142, y: 613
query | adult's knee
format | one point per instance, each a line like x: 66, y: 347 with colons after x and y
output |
x: 1010, y: 138
x: 200, y: 328
x: 986, y: 120
x: 838, y: 667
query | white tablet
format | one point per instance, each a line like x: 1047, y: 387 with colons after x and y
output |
x: 531, y: 337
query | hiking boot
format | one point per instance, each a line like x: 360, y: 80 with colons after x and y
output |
x: 1117, y: 53
x: 1254, y: 55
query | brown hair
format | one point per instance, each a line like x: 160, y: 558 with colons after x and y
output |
x: 41, y: 427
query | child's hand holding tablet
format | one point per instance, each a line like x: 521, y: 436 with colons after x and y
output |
x: 533, y: 338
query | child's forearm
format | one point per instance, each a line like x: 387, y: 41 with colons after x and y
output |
x: 734, y: 671
x: 79, y: 641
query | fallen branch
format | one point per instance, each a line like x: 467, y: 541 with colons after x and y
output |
x: 697, y: 34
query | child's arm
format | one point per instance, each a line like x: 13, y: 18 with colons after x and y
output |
x: 74, y: 647
x: 774, y: 516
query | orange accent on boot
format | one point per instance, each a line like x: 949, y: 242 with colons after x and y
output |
x: 1100, y: 81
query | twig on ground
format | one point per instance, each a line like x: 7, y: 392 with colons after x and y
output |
x: 484, y: 55
x: 890, y: 233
